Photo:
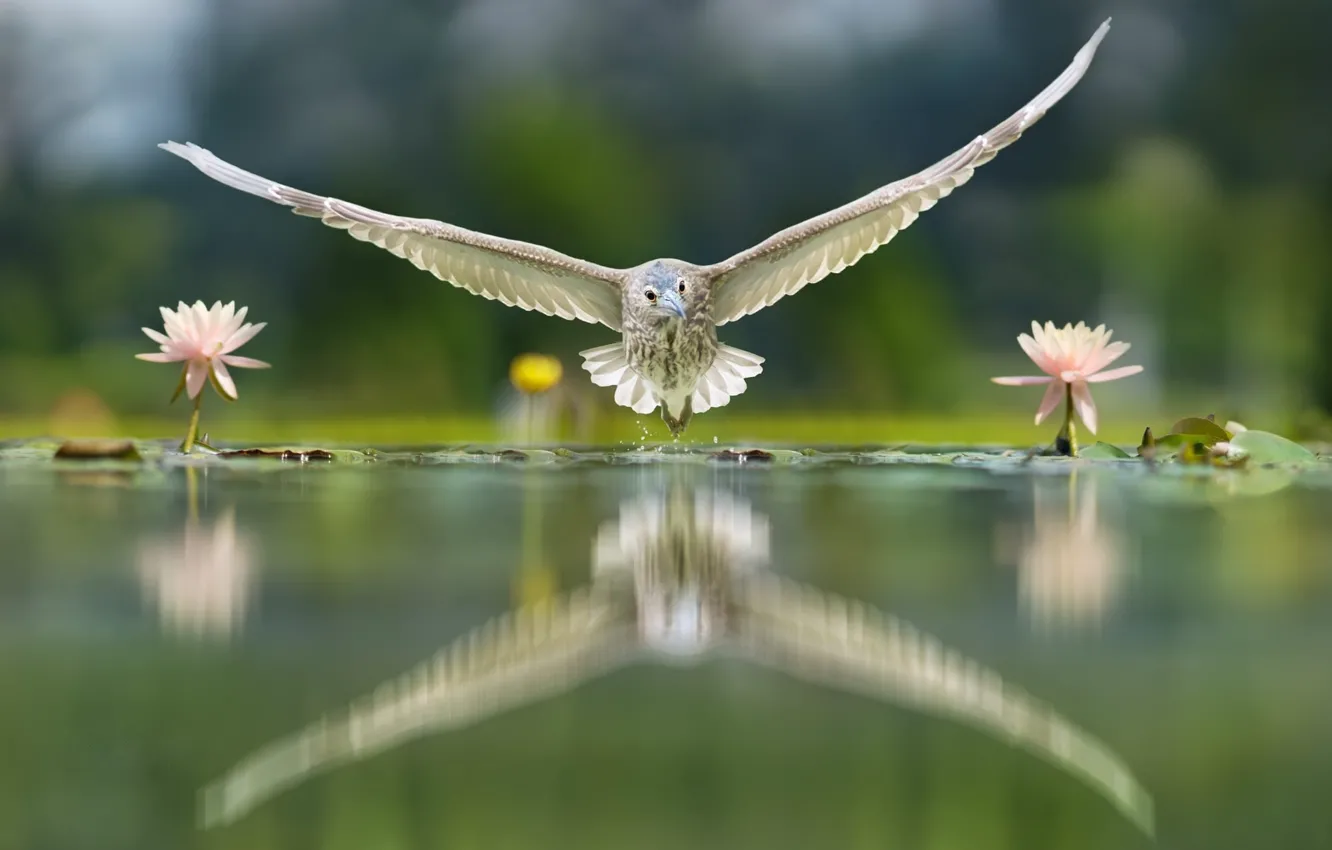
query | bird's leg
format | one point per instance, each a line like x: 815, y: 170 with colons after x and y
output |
x: 677, y: 426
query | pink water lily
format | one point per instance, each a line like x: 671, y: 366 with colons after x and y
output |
x: 204, y: 338
x: 1071, y: 358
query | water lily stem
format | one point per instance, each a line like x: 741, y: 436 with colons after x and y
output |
x: 187, y: 445
x: 1067, y: 441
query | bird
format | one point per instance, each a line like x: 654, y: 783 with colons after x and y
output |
x: 666, y: 310
x: 682, y: 575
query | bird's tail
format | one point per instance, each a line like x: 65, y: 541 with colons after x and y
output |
x: 609, y: 367
x: 725, y: 378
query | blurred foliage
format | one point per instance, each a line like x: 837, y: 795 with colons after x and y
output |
x: 1181, y: 194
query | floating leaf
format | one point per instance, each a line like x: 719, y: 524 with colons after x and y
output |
x: 98, y: 450
x: 743, y: 455
x: 300, y: 455
x: 1206, y: 428
x: 1173, y: 444
x: 1265, y: 447
x: 1194, y: 451
x: 1104, y: 451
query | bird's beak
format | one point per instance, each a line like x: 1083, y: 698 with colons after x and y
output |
x: 670, y: 300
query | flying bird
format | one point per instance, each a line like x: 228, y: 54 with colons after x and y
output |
x: 667, y: 311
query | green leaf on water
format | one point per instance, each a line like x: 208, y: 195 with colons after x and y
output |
x: 1104, y: 451
x: 1173, y: 444
x: 1209, y: 431
x: 1265, y: 447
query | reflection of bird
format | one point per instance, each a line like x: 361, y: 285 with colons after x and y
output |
x: 667, y: 310
x: 676, y: 577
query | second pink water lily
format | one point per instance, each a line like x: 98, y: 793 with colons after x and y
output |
x: 1071, y: 358
x: 204, y: 338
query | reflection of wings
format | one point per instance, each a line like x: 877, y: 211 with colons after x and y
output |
x: 516, y: 658
x: 823, y: 638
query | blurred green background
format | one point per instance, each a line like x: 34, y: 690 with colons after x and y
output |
x: 1181, y: 194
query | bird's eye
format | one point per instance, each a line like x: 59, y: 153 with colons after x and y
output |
x: 682, y: 287
x: 651, y: 296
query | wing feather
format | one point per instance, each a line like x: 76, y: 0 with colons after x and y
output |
x: 518, y: 274
x: 806, y: 253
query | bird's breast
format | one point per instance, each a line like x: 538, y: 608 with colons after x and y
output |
x: 673, y: 358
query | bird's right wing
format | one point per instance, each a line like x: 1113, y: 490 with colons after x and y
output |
x: 822, y: 638
x: 805, y: 253
x: 515, y: 273
x: 534, y: 652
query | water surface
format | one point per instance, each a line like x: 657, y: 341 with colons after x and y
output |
x: 955, y: 652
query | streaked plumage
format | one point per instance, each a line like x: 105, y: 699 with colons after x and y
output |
x: 679, y: 576
x: 667, y: 310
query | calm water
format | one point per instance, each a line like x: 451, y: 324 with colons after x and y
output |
x: 834, y: 654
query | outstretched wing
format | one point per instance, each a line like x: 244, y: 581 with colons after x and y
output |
x: 810, y: 251
x: 823, y: 638
x: 515, y: 273
x: 514, y: 659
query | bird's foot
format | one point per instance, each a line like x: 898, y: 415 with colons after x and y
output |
x: 677, y: 424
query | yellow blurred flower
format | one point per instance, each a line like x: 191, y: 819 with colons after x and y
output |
x: 535, y: 373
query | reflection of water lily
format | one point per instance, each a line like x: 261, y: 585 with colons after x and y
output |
x: 1070, y: 566
x: 204, y: 338
x: 1071, y: 358
x: 200, y: 581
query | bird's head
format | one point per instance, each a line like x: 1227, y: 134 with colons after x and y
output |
x: 663, y: 292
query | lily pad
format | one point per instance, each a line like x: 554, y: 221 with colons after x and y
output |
x: 1172, y: 444
x: 1206, y: 429
x: 98, y: 450
x: 1104, y: 451
x: 743, y: 455
x: 1265, y: 447
x: 299, y: 455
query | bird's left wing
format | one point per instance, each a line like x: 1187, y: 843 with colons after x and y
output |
x: 518, y: 274
x: 822, y: 638
x: 534, y: 652
x: 826, y: 244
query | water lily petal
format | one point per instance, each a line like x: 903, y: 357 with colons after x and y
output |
x: 236, y: 322
x: 160, y: 339
x: 160, y: 357
x: 1113, y: 374
x: 1023, y: 380
x: 1054, y: 395
x: 1036, y: 352
x: 171, y: 320
x: 222, y: 380
x: 1083, y: 404
x: 243, y: 362
x: 195, y: 376
x: 240, y: 337
x: 1100, y: 359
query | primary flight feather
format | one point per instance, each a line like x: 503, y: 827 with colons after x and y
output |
x: 667, y: 311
